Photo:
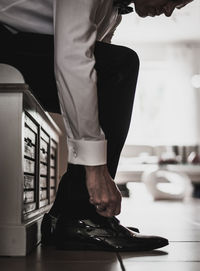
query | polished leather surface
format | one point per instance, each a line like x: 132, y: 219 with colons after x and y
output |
x: 105, y: 234
x: 48, y: 230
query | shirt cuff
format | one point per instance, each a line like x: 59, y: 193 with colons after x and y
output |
x: 86, y: 152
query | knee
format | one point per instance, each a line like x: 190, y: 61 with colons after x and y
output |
x: 129, y: 60
x: 132, y: 60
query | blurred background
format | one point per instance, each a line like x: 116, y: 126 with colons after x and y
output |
x: 165, y: 126
x: 167, y: 98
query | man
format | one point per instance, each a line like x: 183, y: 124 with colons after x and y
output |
x: 96, y: 84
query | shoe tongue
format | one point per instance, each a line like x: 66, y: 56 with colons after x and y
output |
x: 111, y: 224
x: 97, y: 220
x: 114, y: 220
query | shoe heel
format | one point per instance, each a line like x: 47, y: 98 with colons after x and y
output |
x: 77, y: 245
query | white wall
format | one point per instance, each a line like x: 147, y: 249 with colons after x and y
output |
x: 178, y: 120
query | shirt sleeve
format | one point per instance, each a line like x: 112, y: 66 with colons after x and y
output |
x: 75, y: 36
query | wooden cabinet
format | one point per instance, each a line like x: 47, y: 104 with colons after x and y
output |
x: 28, y: 168
x: 40, y: 167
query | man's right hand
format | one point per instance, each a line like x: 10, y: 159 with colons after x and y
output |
x: 103, y: 191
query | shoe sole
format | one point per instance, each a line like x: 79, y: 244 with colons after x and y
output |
x: 89, y: 246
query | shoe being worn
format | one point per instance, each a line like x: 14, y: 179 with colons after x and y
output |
x: 48, y: 230
x: 48, y: 227
x: 105, y: 234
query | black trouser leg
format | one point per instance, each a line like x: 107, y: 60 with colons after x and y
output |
x: 32, y: 55
x: 117, y: 70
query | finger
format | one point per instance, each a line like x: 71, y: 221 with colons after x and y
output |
x: 105, y: 213
x: 101, y: 208
x: 118, y: 208
x: 112, y: 207
x: 91, y: 200
x: 114, y: 201
x: 108, y: 211
x: 94, y: 198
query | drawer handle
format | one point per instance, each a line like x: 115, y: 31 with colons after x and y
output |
x: 43, y: 150
x: 29, y: 142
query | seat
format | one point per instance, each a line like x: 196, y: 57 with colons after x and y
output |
x: 10, y: 75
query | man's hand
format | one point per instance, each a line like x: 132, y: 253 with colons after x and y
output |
x: 103, y: 192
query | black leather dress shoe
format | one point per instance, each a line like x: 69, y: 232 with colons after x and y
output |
x: 48, y: 227
x: 102, y: 234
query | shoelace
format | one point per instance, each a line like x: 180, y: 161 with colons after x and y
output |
x: 123, y: 6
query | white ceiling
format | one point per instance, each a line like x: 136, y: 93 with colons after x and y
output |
x: 183, y: 25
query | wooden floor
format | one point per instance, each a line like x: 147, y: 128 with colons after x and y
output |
x: 178, y: 221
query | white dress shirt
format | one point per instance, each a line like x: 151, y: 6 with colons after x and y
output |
x: 76, y: 26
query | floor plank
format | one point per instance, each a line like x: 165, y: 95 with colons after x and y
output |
x: 178, y: 221
x: 175, y: 220
x: 59, y: 266
x: 49, y: 254
x: 50, y: 259
x: 176, y: 251
x: 159, y: 266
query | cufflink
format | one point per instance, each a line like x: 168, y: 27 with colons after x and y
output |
x: 74, y: 153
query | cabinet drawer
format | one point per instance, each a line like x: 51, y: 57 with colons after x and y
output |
x: 52, y: 172
x: 43, y: 194
x: 29, y: 207
x: 43, y: 182
x: 43, y: 169
x: 29, y: 196
x: 29, y: 135
x: 44, y: 136
x: 29, y: 166
x: 30, y: 124
x: 29, y: 150
x: 43, y: 203
x: 44, y: 151
x: 53, y: 157
x: 53, y: 161
x: 53, y: 182
x: 52, y: 192
x: 29, y: 182
x: 54, y: 144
